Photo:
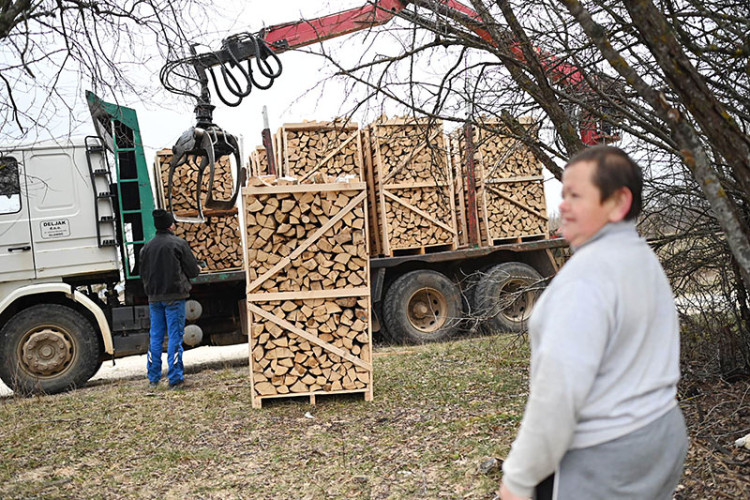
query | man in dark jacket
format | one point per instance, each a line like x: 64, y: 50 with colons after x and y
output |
x: 167, y: 264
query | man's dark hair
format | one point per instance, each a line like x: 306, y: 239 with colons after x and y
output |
x: 614, y: 170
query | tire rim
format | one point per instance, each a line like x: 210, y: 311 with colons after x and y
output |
x: 517, y: 300
x: 46, y: 351
x: 427, y: 310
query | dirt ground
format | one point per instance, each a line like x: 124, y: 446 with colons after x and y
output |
x: 717, y: 413
x: 441, y: 413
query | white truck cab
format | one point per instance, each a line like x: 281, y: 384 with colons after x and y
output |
x: 57, y: 233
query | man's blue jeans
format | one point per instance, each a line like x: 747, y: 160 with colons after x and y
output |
x: 166, y: 317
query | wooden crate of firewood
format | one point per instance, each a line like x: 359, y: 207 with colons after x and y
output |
x: 311, y: 151
x: 216, y: 243
x: 308, y: 290
x: 509, y: 185
x: 413, y: 186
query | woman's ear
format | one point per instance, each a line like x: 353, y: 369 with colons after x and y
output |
x: 621, y: 201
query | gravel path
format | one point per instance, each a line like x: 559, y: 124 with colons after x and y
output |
x: 194, y: 359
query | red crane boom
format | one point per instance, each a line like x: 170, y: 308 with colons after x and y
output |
x: 287, y: 36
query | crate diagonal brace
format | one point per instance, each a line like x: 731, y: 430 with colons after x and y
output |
x: 523, y: 206
x: 309, y: 337
x: 420, y: 212
x: 328, y: 158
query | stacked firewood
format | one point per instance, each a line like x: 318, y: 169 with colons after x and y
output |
x: 285, y: 362
x: 312, y: 151
x: 412, y: 183
x: 259, y: 162
x: 185, y: 182
x: 308, y: 289
x: 216, y: 243
x: 509, y: 184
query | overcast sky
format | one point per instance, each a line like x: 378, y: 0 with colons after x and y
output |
x: 304, y: 91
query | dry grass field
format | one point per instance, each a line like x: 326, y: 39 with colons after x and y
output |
x: 440, y: 412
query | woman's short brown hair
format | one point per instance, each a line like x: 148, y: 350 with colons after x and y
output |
x: 614, y: 170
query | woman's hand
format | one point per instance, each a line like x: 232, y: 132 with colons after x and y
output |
x: 505, y: 494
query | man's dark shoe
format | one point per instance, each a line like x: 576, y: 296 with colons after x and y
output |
x: 153, y: 385
x: 180, y: 384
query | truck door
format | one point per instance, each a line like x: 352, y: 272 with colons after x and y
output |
x: 61, y: 210
x: 16, y: 252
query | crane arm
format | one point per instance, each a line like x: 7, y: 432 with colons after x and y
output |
x: 206, y: 141
x: 293, y: 35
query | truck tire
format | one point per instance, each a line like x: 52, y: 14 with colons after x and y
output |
x: 505, y: 296
x: 422, y: 306
x: 46, y: 349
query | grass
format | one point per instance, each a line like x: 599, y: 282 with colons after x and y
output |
x: 439, y: 411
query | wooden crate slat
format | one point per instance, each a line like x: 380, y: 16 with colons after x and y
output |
x: 374, y: 227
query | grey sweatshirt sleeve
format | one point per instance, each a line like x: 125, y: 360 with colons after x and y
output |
x: 574, y: 327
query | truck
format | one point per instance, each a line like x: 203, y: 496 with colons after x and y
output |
x: 74, y: 215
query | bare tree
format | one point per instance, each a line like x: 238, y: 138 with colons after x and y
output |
x: 672, y: 75
x: 50, y: 51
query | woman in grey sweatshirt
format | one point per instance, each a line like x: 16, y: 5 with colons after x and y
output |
x: 602, y: 420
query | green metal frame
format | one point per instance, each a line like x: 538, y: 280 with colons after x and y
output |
x: 128, y: 118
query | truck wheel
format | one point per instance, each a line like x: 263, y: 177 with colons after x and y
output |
x: 46, y: 349
x: 505, y: 296
x: 422, y: 306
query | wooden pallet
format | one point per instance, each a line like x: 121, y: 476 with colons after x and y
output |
x: 320, y: 151
x: 308, y: 290
x: 313, y: 397
x: 412, y: 185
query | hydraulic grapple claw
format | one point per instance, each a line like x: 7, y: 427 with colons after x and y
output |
x: 203, y: 145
